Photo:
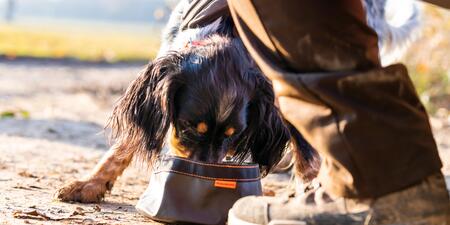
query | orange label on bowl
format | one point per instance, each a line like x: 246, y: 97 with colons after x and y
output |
x: 225, y: 184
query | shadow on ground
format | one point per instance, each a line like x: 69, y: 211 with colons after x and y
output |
x: 80, y: 133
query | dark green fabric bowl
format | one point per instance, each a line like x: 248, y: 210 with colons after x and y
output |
x: 183, y: 190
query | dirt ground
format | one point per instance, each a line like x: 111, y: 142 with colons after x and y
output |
x: 53, y: 132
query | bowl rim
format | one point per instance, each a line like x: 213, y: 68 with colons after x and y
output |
x: 243, y: 165
x: 209, y: 171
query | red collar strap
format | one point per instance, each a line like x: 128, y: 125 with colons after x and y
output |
x: 194, y: 44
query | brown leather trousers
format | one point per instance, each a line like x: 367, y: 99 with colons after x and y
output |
x: 366, y: 122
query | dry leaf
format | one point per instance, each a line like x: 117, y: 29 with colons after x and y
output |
x: 27, y: 174
x: 78, y: 211
x: 38, y: 215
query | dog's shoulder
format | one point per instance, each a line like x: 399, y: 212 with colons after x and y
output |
x: 396, y: 23
x: 176, y: 36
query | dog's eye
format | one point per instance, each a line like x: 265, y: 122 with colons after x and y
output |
x: 202, y: 127
x: 229, y: 131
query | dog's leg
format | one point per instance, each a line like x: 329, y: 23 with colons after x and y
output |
x: 93, y: 187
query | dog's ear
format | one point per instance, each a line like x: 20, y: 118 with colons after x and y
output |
x: 266, y: 136
x: 141, y: 118
x: 307, y: 160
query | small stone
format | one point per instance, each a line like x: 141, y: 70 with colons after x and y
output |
x: 97, y: 208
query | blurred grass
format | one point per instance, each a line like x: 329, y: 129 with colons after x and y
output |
x: 428, y: 59
x: 13, y: 114
x: 433, y: 87
x: 83, y: 44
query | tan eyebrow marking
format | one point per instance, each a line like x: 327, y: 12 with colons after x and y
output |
x: 230, y: 131
x: 176, y: 148
x: 202, y: 127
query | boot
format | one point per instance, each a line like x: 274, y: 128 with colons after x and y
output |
x: 425, y: 203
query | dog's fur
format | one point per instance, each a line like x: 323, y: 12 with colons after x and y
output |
x: 396, y: 23
x: 209, y: 99
x: 202, y: 98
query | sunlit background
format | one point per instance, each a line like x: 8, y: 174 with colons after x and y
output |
x: 129, y: 30
x: 110, y: 30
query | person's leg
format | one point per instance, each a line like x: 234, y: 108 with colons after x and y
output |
x: 366, y: 122
x: 425, y: 203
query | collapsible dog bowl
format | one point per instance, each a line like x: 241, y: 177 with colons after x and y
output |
x: 183, y: 190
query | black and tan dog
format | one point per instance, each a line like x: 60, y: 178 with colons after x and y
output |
x: 202, y: 98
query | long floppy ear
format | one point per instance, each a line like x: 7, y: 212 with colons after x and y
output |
x: 307, y: 160
x: 141, y: 118
x: 266, y: 136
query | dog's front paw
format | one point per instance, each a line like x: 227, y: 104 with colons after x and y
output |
x: 83, y: 191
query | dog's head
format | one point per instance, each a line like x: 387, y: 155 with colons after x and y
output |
x: 206, y: 101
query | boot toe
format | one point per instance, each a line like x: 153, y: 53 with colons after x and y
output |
x: 249, y: 210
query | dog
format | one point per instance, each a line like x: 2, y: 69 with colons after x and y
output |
x: 203, y: 98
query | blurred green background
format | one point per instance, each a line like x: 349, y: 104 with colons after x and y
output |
x: 428, y: 60
x: 92, y: 30
x: 118, y: 30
